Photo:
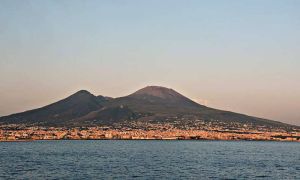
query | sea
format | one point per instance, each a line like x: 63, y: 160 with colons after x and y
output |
x: 149, y: 159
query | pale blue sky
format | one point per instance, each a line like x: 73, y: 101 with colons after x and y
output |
x: 242, y: 56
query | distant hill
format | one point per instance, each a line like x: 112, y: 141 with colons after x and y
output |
x: 74, y: 106
x: 152, y: 103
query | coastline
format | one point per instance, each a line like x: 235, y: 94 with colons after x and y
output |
x: 104, y: 133
x: 10, y: 141
x: 153, y: 139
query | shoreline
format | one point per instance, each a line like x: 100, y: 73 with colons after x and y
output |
x: 98, y: 133
x: 255, y: 140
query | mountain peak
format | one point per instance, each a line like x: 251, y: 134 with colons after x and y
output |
x: 157, y: 91
x: 80, y: 95
x: 83, y: 92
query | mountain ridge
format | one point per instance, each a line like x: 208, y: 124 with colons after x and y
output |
x: 152, y: 103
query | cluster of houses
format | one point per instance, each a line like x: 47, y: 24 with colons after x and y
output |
x: 159, y: 133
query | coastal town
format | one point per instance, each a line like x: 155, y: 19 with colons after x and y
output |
x: 146, y: 131
x: 151, y: 113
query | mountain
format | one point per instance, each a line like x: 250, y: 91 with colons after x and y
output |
x: 161, y: 103
x: 157, y: 100
x: 150, y: 104
x: 74, y: 106
x: 162, y: 93
x: 163, y: 96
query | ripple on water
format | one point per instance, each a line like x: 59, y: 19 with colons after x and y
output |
x: 149, y: 160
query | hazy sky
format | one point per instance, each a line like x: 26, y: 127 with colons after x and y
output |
x: 242, y: 56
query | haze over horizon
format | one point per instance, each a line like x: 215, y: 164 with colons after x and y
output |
x: 241, y: 56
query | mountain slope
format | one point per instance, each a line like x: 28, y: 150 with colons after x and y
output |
x: 165, y: 94
x: 155, y: 99
x: 105, y: 116
x: 152, y: 103
x: 76, y: 105
x: 165, y: 103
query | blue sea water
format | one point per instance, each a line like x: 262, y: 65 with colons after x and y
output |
x: 117, y: 159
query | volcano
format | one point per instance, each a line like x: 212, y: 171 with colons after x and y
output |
x: 152, y: 103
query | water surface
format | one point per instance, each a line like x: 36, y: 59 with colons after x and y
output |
x: 149, y: 160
